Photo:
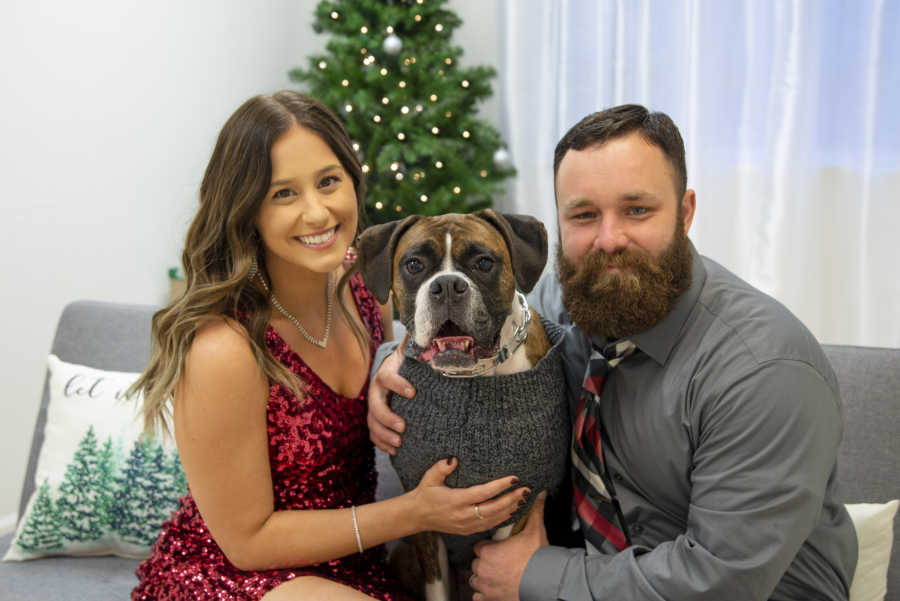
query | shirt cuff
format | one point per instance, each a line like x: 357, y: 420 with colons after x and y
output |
x: 382, y: 353
x: 543, y: 574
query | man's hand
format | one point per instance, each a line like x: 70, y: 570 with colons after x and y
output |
x: 385, y: 426
x: 498, y: 566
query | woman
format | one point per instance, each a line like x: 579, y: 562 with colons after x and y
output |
x: 268, y: 406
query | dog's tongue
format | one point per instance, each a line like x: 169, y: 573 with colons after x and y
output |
x: 461, y: 344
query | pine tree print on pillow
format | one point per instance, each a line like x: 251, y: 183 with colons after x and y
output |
x: 104, y: 489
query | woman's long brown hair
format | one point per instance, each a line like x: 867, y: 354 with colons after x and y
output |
x: 222, y: 243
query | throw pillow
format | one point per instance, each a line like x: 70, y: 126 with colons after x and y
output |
x: 101, y: 488
x: 874, y: 523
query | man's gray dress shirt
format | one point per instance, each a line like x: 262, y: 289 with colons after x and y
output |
x: 722, y: 438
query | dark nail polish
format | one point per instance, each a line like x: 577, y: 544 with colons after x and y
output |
x: 449, y: 460
x: 522, y: 503
x: 515, y: 481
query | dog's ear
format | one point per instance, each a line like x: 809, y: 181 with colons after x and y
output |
x: 526, y: 238
x: 376, y: 255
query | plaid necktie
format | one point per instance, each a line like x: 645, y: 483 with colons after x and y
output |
x: 595, y: 495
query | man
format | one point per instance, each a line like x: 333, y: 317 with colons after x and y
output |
x: 704, y: 463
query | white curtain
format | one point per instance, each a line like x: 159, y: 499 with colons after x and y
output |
x: 790, y: 112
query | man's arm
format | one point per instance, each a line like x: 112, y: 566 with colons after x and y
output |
x: 385, y: 426
x: 765, y: 449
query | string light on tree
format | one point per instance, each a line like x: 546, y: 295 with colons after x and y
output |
x: 364, y: 30
x: 401, y: 136
x: 439, y: 28
x: 466, y: 134
x: 457, y: 189
x: 423, y: 198
x: 323, y: 65
x: 345, y: 82
x: 404, y: 109
x: 335, y: 15
x: 464, y: 83
x: 439, y: 164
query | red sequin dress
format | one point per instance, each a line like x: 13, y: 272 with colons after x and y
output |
x: 320, y: 456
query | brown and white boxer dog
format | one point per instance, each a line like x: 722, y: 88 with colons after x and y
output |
x: 457, y: 282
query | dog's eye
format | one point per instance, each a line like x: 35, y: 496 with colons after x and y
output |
x: 414, y: 266
x: 484, y: 264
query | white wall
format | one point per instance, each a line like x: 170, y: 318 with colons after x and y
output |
x: 108, y: 112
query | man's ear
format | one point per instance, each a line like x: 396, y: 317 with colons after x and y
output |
x: 688, y: 206
x: 376, y: 255
x: 526, y: 238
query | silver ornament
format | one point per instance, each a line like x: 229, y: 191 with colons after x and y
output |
x: 392, y: 44
x: 501, y: 158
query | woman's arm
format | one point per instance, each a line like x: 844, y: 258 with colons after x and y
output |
x: 220, y: 428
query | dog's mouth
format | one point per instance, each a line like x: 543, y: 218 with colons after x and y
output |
x: 451, y: 346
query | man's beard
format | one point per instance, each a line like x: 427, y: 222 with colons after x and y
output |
x: 631, y: 300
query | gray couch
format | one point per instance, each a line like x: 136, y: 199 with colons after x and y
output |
x: 116, y: 337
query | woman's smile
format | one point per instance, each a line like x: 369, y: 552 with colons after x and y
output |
x: 320, y: 240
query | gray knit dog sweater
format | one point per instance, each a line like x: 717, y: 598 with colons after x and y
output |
x: 515, y: 424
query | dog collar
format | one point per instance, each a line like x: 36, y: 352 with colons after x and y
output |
x: 503, y: 353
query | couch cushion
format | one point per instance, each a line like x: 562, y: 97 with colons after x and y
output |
x: 112, y: 336
x: 869, y: 457
x: 103, y: 488
x: 69, y: 578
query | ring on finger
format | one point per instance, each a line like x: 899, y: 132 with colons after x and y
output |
x: 478, y: 512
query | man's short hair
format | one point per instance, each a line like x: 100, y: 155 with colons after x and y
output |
x: 600, y: 127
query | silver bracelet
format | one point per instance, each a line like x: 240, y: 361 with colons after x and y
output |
x: 356, y: 528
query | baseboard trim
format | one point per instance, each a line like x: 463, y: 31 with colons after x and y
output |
x: 7, y: 523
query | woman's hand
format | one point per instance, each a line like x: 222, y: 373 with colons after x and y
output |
x: 463, y: 510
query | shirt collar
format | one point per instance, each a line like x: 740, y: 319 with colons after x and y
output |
x: 658, y: 341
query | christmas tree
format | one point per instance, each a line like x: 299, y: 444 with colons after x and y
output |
x: 132, y: 511
x: 81, y: 491
x: 41, y: 532
x: 394, y: 77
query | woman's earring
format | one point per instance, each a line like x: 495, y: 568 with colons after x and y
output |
x: 253, y: 269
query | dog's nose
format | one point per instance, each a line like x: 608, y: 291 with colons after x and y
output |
x: 448, y: 287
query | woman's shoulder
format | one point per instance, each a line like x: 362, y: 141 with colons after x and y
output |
x: 221, y: 342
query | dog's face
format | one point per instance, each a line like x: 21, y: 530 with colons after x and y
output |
x: 454, y: 278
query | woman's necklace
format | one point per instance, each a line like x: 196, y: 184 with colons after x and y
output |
x: 329, y: 301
